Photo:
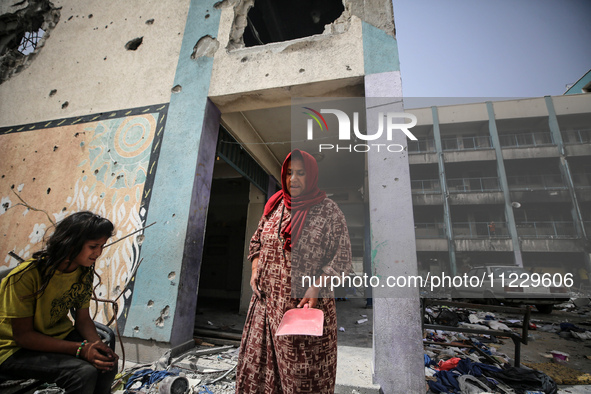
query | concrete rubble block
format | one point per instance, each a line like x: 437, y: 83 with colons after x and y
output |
x: 207, y: 359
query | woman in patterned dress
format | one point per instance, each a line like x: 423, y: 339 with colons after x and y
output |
x: 301, y: 232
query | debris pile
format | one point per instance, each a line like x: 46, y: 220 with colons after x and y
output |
x: 457, y: 362
x: 467, y: 376
x: 205, y: 369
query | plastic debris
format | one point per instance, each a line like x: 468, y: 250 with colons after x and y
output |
x: 559, y: 357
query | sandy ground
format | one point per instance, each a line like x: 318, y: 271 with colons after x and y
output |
x: 535, y: 353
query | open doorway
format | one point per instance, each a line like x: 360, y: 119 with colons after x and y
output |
x: 221, y: 270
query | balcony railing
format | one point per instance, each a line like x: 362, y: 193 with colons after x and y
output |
x: 425, y: 186
x: 484, y: 230
x: 466, y: 143
x: 581, y: 136
x: 480, y: 230
x: 546, y: 230
x: 465, y: 185
x: 519, y: 140
x: 421, y: 146
x: 429, y: 230
x: 536, y: 182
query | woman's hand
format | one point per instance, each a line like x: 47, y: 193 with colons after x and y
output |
x: 254, y: 278
x: 310, y: 297
x: 99, y: 355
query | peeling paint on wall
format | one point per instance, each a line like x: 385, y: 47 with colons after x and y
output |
x: 225, y: 3
x: 206, y: 46
x: 164, y: 314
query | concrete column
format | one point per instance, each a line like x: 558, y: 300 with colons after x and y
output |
x: 256, y: 206
x: 567, y: 176
x: 367, y: 253
x: 564, y: 168
x: 188, y: 282
x: 397, y: 339
x: 165, y: 291
x: 443, y: 181
x: 494, y: 134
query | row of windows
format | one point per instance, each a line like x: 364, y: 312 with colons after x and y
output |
x: 477, y: 142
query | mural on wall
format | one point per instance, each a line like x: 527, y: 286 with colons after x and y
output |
x: 103, y: 163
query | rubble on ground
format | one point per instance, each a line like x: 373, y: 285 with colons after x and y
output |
x: 469, y: 363
x: 205, y: 369
x: 458, y: 362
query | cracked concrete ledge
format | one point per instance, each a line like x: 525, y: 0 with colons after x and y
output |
x: 282, y: 46
x: 335, y: 57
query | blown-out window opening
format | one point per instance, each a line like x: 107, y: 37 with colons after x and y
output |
x: 276, y: 21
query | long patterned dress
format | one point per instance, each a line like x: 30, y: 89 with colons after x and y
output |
x: 292, y: 364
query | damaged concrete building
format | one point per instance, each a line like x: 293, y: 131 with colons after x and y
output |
x: 178, y: 114
x: 502, y: 183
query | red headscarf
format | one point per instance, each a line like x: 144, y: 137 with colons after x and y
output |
x: 298, y: 205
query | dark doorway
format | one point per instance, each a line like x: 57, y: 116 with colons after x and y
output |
x: 223, y: 251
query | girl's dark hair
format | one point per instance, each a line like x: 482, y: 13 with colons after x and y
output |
x: 66, y: 243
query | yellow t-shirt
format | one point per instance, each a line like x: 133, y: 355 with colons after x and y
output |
x: 50, y: 309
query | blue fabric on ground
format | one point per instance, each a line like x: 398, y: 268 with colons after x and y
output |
x: 570, y: 327
x: 469, y: 367
x: 147, y: 377
x: 482, y: 347
x: 437, y: 387
x: 449, y: 380
x: 428, y: 361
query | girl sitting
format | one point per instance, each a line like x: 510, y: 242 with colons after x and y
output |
x: 37, y: 339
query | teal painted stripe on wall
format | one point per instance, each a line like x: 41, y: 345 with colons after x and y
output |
x: 380, y: 50
x: 577, y: 88
x: 157, y: 279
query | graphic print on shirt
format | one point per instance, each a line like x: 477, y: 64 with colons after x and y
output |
x: 75, y: 297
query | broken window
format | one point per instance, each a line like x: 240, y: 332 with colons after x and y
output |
x: 23, y: 25
x: 275, y: 21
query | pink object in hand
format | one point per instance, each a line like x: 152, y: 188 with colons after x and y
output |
x: 302, y: 321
